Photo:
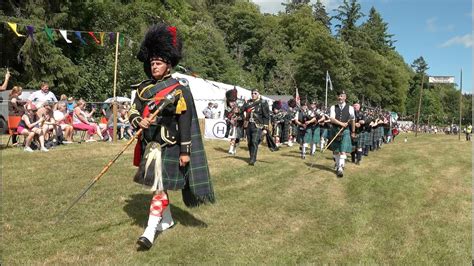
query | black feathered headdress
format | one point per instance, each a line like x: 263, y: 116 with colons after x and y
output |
x: 161, y: 41
x: 276, y: 105
x: 231, y: 95
x: 292, y: 103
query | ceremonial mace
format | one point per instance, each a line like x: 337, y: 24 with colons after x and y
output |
x: 168, y: 99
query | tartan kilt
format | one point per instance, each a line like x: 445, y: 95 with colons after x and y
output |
x: 376, y: 134
x: 364, y: 139
x: 356, y: 141
x: 312, y: 135
x: 343, y: 145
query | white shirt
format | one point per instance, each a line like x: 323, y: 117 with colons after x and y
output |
x: 39, y: 98
x: 332, y: 113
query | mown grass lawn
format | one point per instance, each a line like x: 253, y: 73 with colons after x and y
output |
x: 409, y: 203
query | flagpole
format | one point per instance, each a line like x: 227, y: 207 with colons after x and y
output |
x: 460, y: 109
x: 326, y: 99
x: 114, y: 137
x: 419, y: 105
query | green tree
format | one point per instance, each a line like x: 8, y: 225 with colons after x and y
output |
x: 320, y: 14
x: 348, y: 14
x: 377, y: 31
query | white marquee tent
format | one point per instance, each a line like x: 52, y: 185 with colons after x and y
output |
x: 205, y: 91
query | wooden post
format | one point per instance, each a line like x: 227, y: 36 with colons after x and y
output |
x: 419, y: 105
x: 460, y: 109
x: 114, y: 137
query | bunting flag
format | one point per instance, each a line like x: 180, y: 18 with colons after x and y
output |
x: 13, y: 26
x: 93, y: 37
x: 79, y: 36
x: 49, y: 33
x: 121, y: 40
x: 100, y: 40
x: 64, y: 34
x: 102, y: 35
x: 30, y: 30
x: 111, y: 37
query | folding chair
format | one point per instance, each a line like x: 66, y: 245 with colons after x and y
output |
x: 13, y: 122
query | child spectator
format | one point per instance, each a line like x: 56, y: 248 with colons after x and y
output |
x: 30, y: 126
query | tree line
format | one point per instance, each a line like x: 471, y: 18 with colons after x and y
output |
x: 231, y: 42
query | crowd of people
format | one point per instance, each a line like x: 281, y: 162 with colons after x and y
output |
x: 348, y: 129
x: 46, y: 122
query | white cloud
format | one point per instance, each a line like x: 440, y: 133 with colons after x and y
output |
x: 432, y: 26
x: 466, y: 40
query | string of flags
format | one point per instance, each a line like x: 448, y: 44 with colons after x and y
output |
x: 98, y: 38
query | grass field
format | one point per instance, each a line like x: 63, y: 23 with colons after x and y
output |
x: 409, y: 203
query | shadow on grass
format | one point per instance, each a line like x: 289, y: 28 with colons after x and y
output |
x: 137, y: 208
x: 315, y: 165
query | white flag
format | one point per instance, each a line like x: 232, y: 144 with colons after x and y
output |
x: 328, y: 79
x: 64, y: 34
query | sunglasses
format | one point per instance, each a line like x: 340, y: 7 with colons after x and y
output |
x: 254, y: 93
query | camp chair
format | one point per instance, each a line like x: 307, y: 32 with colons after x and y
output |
x: 13, y: 122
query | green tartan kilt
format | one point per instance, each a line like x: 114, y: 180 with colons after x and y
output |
x: 375, y: 134
x: 364, y: 139
x: 312, y: 135
x: 345, y: 142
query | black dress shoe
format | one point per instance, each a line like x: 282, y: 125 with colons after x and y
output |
x: 252, y: 163
x: 143, y: 242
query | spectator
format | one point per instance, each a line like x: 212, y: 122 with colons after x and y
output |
x: 70, y: 105
x: 40, y: 97
x: 80, y: 121
x: 124, y: 125
x: 30, y: 126
x: 5, y: 82
x: 60, y: 115
x: 63, y: 98
x: 15, y: 106
x: 208, y: 113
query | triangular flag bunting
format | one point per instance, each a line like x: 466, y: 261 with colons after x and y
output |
x: 49, y: 33
x: 30, y: 30
x: 112, y: 37
x: 78, y: 35
x: 93, y: 36
x: 64, y: 34
x: 121, y: 40
x: 13, y: 26
x: 102, y: 35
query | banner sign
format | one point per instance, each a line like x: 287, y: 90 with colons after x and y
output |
x: 215, y: 129
x: 441, y: 79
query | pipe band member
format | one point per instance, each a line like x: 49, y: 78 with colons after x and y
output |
x: 170, y: 152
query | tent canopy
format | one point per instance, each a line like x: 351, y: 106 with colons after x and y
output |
x: 205, y: 91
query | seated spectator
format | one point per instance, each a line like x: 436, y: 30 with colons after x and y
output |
x: 124, y: 125
x: 80, y: 121
x: 70, y: 105
x: 60, y: 115
x: 15, y: 107
x: 30, y: 126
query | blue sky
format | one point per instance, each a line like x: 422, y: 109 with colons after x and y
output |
x: 438, y: 30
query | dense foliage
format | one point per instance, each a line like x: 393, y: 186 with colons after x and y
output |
x: 227, y: 41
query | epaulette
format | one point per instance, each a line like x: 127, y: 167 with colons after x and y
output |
x: 138, y: 85
x: 184, y: 82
